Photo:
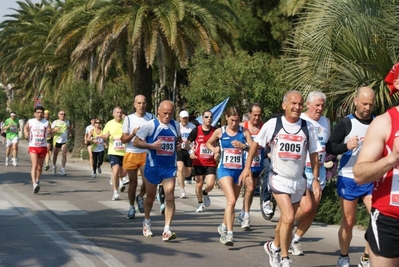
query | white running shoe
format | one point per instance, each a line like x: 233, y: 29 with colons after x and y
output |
x: 200, y: 208
x: 125, y: 181
x: 266, y: 207
x: 295, y: 249
x: 183, y: 193
x: 245, y: 223
x: 54, y: 170
x: 93, y: 174
x: 116, y: 196
x: 36, y: 188
x: 285, y: 262
x: 343, y: 262
x: 6, y: 162
x: 110, y: 181
x: 274, y: 256
x: 14, y: 162
x: 168, y: 235
x: 147, y: 229
x: 363, y: 263
x: 62, y: 172
x: 121, y: 186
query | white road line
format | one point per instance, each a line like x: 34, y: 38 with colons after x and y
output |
x: 6, y: 209
x: 85, y: 243
x: 62, y: 208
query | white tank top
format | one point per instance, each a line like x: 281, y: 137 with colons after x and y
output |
x: 38, y: 133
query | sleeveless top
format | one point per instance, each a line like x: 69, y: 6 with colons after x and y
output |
x: 38, y: 132
x: 230, y: 157
x: 204, y: 155
x: 97, y: 147
x: 257, y: 161
x: 385, y: 195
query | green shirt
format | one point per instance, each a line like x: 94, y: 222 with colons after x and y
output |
x: 11, y: 132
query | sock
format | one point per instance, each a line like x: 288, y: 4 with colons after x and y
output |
x: 204, y: 193
x: 199, y: 202
x: 147, y: 221
x: 115, y: 191
x: 274, y: 248
x: 285, y: 258
x: 224, y: 226
x: 166, y: 228
x: 343, y: 256
x: 230, y: 232
x: 246, y: 214
x: 296, y: 238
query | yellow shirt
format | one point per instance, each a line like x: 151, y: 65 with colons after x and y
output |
x: 115, y: 145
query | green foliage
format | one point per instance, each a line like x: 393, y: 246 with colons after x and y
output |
x: 240, y: 76
x: 3, y: 105
x: 329, y: 210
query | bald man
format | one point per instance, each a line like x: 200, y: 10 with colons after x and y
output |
x: 347, y: 139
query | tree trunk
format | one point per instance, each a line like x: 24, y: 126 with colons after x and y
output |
x: 78, y: 138
x: 142, y: 80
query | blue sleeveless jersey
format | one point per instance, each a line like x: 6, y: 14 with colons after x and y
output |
x: 231, y: 158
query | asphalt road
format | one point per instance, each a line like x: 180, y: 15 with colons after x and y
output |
x: 73, y: 222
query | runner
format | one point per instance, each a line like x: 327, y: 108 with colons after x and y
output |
x: 49, y: 143
x: 162, y: 138
x: 291, y: 139
x: 377, y: 162
x: 97, y: 147
x: 11, y: 127
x: 134, y: 158
x: 203, y: 160
x: 253, y: 125
x: 36, y: 130
x: 88, y: 143
x: 347, y: 139
x: 233, y: 140
x: 184, y: 162
x: 61, y: 130
x: 308, y: 206
x: 112, y: 132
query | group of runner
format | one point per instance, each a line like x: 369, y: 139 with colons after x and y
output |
x: 163, y: 149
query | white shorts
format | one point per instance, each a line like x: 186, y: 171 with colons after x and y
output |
x: 294, y: 188
x: 12, y: 141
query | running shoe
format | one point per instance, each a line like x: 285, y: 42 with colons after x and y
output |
x: 36, y: 188
x: 207, y: 201
x: 14, y: 162
x: 6, y: 162
x: 343, y: 262
x: 162, y: 208
x: 168, y: 235
x: 99, y: 170
x: 183, y: 193
x: 131, y: 213
x: 110, y: 181
x: 286, y: 262
x: 274, y: 256
x: 46, y: 167
x: 93, y: 174
x: 222, y: 230
x: 116, y: 196
x: 200, y: 208
x: 140, y: 203
x: 147, y: 229
x: 125, y: 181
x: 295, y: 249
x: 267, y: 209
x: 227, y: 240
x: 54, y: 170
x: 62, y: 172
x: 245, y: 223
x: 240, y: 218
x: 363, y: 263
x: 121, y: 186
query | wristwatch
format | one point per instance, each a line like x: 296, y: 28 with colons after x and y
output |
x: 317, y: 179
x: 246, y: 147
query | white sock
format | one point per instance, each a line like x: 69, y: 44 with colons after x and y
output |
x: 296, y: 238
x: 246, y: 214
x: 274, y: 248
x: 166, y: 228
x: 230, y: 232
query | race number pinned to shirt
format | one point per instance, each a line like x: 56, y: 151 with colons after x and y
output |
x: 232, y: 158
x: 13, y: 129
x: 167, y: 146
x: 394, y: 201
x: 118, y: 145
x: 39, y: 137
x: 289, y: 146
x: 257, y: 159
x: 205, y: 153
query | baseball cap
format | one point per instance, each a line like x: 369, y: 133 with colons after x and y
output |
x: 184, y: 114
x: 46, y: 111
x: 13, y: 114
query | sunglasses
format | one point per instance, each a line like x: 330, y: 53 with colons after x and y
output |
x: 98, y: 122
x: 207, y: 117
x: 62, y: 113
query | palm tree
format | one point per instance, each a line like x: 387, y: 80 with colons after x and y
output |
x: 138, y: 35
x: 339, y: 46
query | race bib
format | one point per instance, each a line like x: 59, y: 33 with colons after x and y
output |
x: 99, y: 140
x: 39, y: 138
x: 289, y: 146
x: 205, y: 153
x: 394, y: 197
x: 13, y: 129
x: 118, y: 145
x: 256, y: 160
x: 232, y: 158
x: 167, y: 146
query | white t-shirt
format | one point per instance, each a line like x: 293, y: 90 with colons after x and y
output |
x: 289, y: 147
x: 132, y: 122
x: 185, y: 132
x: 88, y: 128
x: 38, y: 132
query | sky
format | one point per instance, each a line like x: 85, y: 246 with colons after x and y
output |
x: 5, y: 6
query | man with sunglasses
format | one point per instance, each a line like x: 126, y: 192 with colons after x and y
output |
x: 61, y: 129
x: 204, y: 161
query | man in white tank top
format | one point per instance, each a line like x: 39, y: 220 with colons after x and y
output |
x: 37, y: 130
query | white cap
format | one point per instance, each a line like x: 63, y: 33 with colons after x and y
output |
x: 13, y: 114
x: 184, y: 114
